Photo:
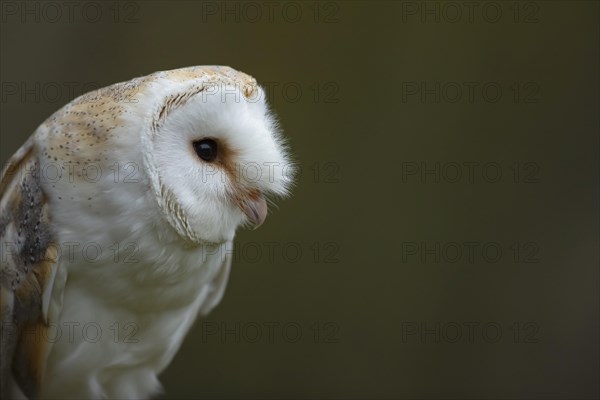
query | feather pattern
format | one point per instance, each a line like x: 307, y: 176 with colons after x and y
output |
x: 115, y: 172
x: 28, y: 269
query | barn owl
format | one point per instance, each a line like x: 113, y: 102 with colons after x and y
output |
x: 117, y: 220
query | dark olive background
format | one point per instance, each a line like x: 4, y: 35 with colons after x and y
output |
x: 353, y: 283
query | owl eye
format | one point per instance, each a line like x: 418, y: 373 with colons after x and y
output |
x: 206, y: 149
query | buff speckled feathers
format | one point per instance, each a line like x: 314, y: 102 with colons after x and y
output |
x: 117, y: 221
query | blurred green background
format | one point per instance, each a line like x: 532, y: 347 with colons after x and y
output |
x: 386, y: 275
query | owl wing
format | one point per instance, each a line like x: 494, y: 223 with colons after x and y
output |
x: 216, y: 288
x: 28, y: 268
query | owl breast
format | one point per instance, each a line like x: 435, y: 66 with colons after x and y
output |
x: 113, y: 340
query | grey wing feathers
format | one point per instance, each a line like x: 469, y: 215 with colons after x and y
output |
x: 28, y: 265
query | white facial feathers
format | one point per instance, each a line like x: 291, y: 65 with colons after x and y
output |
x: 153, y: 123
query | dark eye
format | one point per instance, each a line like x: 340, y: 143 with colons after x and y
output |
x: 206, y: 149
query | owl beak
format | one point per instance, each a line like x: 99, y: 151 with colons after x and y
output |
x: 255, y: 208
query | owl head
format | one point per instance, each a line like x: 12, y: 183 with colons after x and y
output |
x: 203, y: 140
x: 212, y: 148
